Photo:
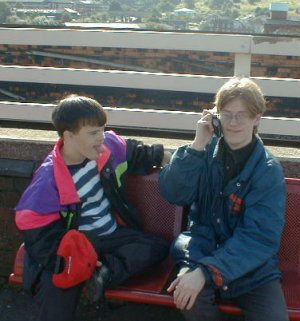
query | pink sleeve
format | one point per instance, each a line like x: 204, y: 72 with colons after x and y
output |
x: 27, y: 219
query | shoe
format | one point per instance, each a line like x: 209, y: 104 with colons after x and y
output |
x: 97, y: 283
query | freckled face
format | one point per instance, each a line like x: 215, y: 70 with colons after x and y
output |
x: 237, y: 123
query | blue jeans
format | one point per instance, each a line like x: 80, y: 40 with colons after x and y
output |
x: 264, y: 303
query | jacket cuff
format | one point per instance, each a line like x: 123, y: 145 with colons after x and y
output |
x: 207, y: 274
x: 216, y: 276
x: 195, y: 152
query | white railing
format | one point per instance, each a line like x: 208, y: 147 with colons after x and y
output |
x: 152, y: 120
x: 279, y: 87
x: 245, y: 44
x: 243, y: 47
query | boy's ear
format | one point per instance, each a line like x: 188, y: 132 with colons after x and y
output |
x: 257, y: 120
x: 256, y: 123
x: 67, y: 135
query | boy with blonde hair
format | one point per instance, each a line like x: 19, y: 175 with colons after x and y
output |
x: 236, y: 192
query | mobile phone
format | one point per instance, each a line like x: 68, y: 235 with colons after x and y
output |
x: 215, y: 121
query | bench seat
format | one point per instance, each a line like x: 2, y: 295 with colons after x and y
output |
x: 166, y: 220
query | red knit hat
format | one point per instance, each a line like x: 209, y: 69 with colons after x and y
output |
x: 79, y: 258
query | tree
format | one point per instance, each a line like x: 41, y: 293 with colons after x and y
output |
x: 66, y: 17
x: 14, y: 19
x: 190, y: 4
x: 41, y: 21
x: 228, y: 8
x: 115, y: 6
x: 5, y: 11
x: 155, y: 16
x: 165, y: 6
x: 216, y: 4
x: 99, y: 17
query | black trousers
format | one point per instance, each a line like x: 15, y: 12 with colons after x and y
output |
x: 125, y: 252
x: 265, y: 303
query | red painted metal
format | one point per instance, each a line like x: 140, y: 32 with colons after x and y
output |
x: 164, y: 219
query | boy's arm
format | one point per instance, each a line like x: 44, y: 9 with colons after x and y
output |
x: 180, y: 180
x: 38, y: 218
x: 41, y: 242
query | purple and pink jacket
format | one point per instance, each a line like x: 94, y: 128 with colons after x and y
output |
x: 51, y: 203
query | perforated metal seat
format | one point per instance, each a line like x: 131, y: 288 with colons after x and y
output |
x: 166, y: 220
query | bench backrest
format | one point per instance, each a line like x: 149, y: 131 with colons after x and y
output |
x: 290, y: 245
x: 160, y: 217
x: 166, y: 220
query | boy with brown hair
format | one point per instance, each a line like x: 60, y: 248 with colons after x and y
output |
x: 80, y: 185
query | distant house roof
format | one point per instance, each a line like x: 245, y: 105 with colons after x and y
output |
x: 41, y: 11
x: 280, y: 6
x: 103, y: 25
x: 69, y: 10
x: 20, y: 1
x: 285, y: 23
x: 184, y: 11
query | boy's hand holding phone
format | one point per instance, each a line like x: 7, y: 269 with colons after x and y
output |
x: 207, y: 125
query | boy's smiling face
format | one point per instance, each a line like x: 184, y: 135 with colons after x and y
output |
x: 237, y: 123
x: 86, y: 143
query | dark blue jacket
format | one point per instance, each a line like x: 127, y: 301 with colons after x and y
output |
x: 234, y: 230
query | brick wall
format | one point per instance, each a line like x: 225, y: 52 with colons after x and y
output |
x: 173, y: 61
x: 18, y: 161
x: 167, y: 61
x: 177, y: 61
x: 10, y: 239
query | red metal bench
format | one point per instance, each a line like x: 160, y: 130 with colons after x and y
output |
x: 167, y: 220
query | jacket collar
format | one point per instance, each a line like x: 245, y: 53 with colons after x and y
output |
x: 257, y: 155
x: 104, y: 158
x: 64, y: 181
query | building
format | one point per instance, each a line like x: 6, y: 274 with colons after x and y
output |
x: 279, y: 23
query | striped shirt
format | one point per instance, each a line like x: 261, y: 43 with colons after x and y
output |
x: 95, y: 212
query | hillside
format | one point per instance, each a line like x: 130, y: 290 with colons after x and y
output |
x: 203, y: 15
